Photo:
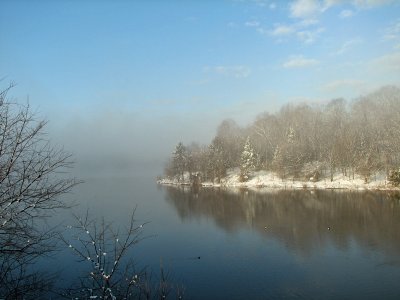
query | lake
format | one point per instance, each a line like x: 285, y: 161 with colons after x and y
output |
x: 257, y: 244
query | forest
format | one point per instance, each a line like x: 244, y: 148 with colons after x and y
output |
x: 303, y: 141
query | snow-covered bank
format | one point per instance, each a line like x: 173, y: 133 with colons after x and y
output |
x: 264, y: 179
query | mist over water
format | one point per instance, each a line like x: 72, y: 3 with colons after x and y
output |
x: 125, y: 142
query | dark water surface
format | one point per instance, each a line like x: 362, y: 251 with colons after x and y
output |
x: 257, y: 244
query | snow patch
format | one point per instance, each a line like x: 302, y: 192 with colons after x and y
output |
x: 266, y: 179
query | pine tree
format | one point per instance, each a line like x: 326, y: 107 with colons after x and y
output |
x: 248, y: 160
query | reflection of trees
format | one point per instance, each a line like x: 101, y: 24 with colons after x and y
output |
x: 300, y: 219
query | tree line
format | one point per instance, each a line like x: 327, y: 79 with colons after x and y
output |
x: 303, y: 141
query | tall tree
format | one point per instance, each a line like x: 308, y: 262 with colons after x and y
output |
x: 31, y: 183
x: 248, y: 160
x: 179, y: 160
x: 217, y: 161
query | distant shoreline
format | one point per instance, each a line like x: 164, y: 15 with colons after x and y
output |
x: 269, y: 180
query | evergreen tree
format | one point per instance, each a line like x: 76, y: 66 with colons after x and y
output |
x: 248, y: 160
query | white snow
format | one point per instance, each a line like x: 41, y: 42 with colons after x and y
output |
x: 266, y: 179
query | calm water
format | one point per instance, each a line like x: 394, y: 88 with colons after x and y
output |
x: 258, y: 245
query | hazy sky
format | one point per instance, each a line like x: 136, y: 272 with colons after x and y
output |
x: 126, y: 80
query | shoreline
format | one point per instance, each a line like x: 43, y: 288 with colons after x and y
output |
x: 269, y: 180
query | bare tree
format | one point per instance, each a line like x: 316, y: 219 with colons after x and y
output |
x: 179, y: 161
x: 265, y: 131
x: 31, y: 180
x: 230, y: 138
x: 111, y: 273
x: 217, y: 160
x: 103, y: 248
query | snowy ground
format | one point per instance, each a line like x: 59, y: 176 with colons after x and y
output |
x: 264, y: 179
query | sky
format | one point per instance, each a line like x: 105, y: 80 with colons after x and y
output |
x: 122, y: 82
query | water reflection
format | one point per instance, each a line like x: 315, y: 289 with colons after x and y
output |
x: 304, y: 221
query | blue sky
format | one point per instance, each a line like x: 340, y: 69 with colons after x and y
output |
x: 172, y: 70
